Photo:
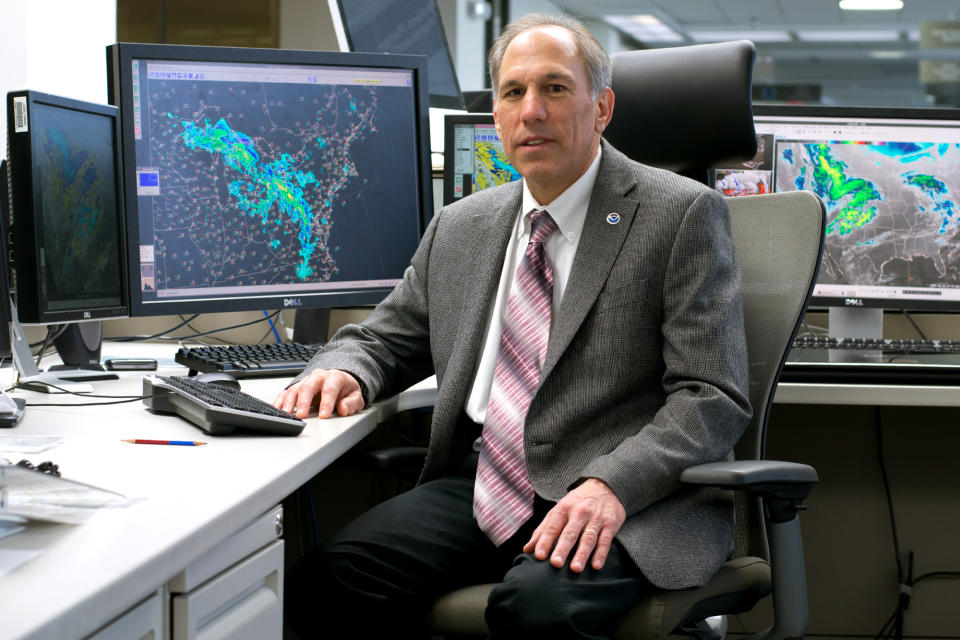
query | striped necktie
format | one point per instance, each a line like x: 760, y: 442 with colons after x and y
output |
x: 503, y: 495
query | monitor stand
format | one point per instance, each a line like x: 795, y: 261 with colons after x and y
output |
x: 855, y: 322
x: 310, y: 326
x: 62, y: 381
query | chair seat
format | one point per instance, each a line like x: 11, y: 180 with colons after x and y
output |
x: 735, y: 588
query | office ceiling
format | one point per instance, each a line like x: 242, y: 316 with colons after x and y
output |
x: 804, y: 41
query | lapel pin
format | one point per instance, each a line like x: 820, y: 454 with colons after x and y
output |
x: 613, y: 218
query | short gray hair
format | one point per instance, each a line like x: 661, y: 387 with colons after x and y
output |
x: 595, y: 58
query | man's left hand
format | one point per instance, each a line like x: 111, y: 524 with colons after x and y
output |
x: 592, y: 514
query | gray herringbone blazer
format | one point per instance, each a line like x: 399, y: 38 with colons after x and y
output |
x: 646, y: 368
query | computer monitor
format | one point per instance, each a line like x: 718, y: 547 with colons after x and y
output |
x: 11, y: 409
x: 67, y: 260
x: 401, y: 26
x: 66, y: 217
x: 264, y: 179
x: 473, y: 157
x: 889, y: 180
x: 6, y: 351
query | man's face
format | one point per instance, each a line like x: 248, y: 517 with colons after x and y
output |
x: 545, y: 117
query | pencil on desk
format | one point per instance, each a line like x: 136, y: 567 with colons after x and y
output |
x: 186, y: 443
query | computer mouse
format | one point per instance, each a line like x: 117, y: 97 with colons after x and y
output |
x: 219, y: 378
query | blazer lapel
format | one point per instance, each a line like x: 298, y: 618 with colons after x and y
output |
x: 600, y: 244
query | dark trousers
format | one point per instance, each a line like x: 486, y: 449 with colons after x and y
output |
x: 377, y: 577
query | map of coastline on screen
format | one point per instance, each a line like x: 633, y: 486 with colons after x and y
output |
x: 890, y: 188
x: 247, y: 170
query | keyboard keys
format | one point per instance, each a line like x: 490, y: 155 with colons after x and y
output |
x: 245, y: 361
x: 886, y: 345
x: 215, y: 408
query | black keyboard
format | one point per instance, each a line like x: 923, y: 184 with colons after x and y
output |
x: 885, y: 345
x: 248, y: 360
x: 217, y: 409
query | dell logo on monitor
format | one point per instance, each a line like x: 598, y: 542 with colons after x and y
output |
x: 853, y: 302
x: 292, y: 302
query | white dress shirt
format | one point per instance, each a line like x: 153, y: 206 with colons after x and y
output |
x: 568, y: 210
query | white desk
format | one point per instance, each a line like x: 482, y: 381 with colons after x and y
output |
x: 867, y: 394
x: 192, y: 498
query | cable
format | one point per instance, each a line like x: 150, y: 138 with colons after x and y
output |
x: 276, y: 333
x: 53, y: 332
x: 236, y: 326
x: 156, y: 335
x: 114, y: 399
x: 886, y: 489
x: 893, y: 627
x: 194, y: 335
x: 922, y: 335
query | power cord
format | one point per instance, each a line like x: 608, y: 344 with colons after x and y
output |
x: 113, y: 398
x: 893, y: 627
x: 919, y: 331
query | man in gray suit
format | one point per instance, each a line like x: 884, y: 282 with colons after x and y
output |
x: 644, y: 374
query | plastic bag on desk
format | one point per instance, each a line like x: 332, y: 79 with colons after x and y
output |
x: 39, y: 496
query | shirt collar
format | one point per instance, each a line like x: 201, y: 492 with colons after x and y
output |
x: 568, y: 209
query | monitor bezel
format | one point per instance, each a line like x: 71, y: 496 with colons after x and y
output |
x: 23, y: 260
x: 854, y: 115
x: 450, y: 121
x: 120, y: 57
x: 6, y: 344
x: 437, y: 100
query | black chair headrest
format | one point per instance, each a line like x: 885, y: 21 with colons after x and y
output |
x: 684, y: 108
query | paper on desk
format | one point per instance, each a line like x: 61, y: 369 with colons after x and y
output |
x: 40, y: 496
x: 28, y: 444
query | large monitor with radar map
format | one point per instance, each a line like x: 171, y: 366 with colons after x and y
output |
x: 889, y: 180
x: 268, y: 179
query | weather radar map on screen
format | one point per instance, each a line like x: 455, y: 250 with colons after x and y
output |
x: 891, y: 188
x: 892, y: 205
x: 253, y: 177
x: 473, y: 158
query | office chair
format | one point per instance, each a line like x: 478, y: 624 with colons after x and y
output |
x: 686, y: 109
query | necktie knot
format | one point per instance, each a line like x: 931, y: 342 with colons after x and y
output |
x: 541, y: 225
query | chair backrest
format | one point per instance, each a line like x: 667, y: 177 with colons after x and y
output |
x: 779, y: 243
x: 690, y: 108
x: 684, y: 108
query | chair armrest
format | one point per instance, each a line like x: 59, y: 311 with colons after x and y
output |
x: 782, y: 484
x: 753, y: 476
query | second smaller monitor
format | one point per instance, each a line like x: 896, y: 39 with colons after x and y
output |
x: 66, y: 222
x: 473, y: 157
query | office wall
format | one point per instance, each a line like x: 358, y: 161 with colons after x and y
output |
x: 847, y: 534
x: 55, y: 46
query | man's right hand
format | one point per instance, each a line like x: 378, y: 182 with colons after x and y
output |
x: 328, y: 389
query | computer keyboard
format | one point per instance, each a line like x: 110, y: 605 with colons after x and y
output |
x: 885, y: 345
x: 217, y: 409
x: 248, y: 360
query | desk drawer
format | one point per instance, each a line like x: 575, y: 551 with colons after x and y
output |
x: 142, y: 622
x: 243, y: 602
x: 255, y: 535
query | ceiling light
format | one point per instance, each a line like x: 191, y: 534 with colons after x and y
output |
x: 645, y: 28
x: 848, y: 36
x: 871, y: 5
x: 754, y: 36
